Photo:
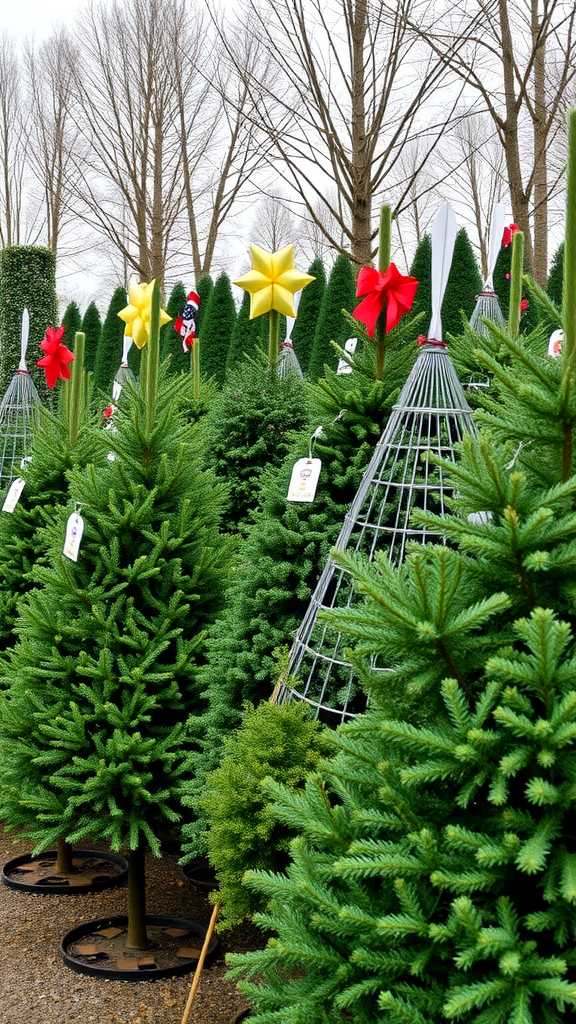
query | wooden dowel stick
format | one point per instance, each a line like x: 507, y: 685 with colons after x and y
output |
x: 200, y: 964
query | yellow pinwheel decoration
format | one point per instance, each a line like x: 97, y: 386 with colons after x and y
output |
x: 273, y: 281
x: 136, y: 315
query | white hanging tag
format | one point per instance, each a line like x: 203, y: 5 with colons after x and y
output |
x: 555, y: 343
x: 13, y: 496
x: 350, y: 348
x: 304, y: 480
x: 74, y: 531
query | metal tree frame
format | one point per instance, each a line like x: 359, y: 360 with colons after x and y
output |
x: 17, y: 412
x: 431, y: 416
x: 288, y: 360
x: 487, y: 306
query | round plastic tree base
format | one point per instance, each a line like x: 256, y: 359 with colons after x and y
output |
x: 92, y: 871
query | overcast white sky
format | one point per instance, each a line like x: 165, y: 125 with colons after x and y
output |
x: 36, y: 17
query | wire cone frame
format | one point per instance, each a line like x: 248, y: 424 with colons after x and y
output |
x: 16, y: 424
x: 123, y: 375
x: 487, y: 306
x: 288, y: 361
x: 431, y: 416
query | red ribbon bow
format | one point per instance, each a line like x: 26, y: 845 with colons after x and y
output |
x: 392, y: 288
x: 55, y: 362
x: 509, y: 232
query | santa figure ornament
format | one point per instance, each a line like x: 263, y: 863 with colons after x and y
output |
x: 185, y: 325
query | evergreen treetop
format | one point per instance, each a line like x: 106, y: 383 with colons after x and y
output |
x: 170, y: 341
x: 203, y: 288
x: 340, y: 293
x: 304, y: 329
x: 109, y: 351
x: 72, y: 321
x: 92, y: 328
x: 556, y: 276
x: 464, y: 283
x: 217, y: 325
x: 421, y: 269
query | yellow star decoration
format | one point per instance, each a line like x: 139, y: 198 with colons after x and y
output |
x: 273, y: 281
x: 136, y: 315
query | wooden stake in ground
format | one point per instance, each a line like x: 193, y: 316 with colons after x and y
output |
x: 200, y: 964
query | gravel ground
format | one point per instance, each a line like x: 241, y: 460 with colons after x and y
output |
x: 36, y: 987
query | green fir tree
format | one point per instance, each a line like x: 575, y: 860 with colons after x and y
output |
x: 217, y: 325
x: 421, y: 269
x: 247, y: 335
x: 72, y: 321
x: 92, y: 329
x: 203, y: 289
x: 556, y: 276
x: 109, y: 352
x: 308, y: 312
x: 432, y: 878
x: 331, y: 326
x: 463, y: 285
x: 92, y: 731
x: 170, y: 342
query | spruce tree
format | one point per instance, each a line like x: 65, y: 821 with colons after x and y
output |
x: 302, y: 336
x: 433, y: 875
x: 464, y: 283
x: 109, y: 352
x: 249, y: 429
x: 203, y: 289
x: 27, y: 279
x: 331, y: 326
x: 110, y: 645
x: 170, y: 342
x: 92, y: 329
x: 72, y: 321
x: 421, y: 269
x: 247, y: 335
x: 216, y: 329
x: 556, y: 275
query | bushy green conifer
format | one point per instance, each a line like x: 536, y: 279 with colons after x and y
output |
x: 92, y: 329
x: 216, y: 329
x: 304, y: 329
x: 247, y: 335
x: 72, y: 321
x: 109, y: 352
x: 93, y: 731
x: 340, y: 293
x: 203, y: 288
x: 170, y: 342
x: 464, y: 283
x: 433, y: 875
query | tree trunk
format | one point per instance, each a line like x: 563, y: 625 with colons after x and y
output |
x: 137, y: 935
x: 361, y: 169
x: 540, y: 259
x: 518, y: 195
x: 64, y: 858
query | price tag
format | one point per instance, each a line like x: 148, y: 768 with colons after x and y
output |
x: 304, y: 480
x: 350, y: 348
x: 74, y: 531
x: 13, y: 496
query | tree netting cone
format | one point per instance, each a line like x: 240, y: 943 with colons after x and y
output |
x: 487, y: 306
x: 430, y: 417
x: 16, y: 424
x: 288, y: 360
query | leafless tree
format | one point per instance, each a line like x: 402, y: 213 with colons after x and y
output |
x: 12, y: 145
x: 518, y: 56
x: 346, y: 91
x: 273, y: 224
x: 54, y: 138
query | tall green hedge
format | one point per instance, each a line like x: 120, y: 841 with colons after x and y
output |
x: 27, y: 278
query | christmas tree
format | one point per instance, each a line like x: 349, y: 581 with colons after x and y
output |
x: 109, y: 352
x: 216, y: 329
x: 555, y: 277
x: 331, y: 326
x: 92, y: 330
x: 72, y: 321
x: 92, y: 731
x: 464, y: 283
x: 304, y: 329
x: 204, y: 287
x: 170, y: 342
x: 433, y: 875
x: 421, y: 269
x: 247, y: 335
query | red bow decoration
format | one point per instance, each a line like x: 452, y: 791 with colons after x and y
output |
x: 509, y: 232
x: 392, y: 288
x: 57, y: 357
x: 523, y: 304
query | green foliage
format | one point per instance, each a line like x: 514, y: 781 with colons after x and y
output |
x: 247, y: 335
x: 109, y: 352
x: 530, y: 317
x: 304, y: 329
x: 203, y: 290
x: 72, y: 321
x: 464, y: 283
x: 92, y: 327
x: 92, y: 732
x: 340, y: 293
x: 27, y: 279
x: 433, y: 875
x: 216, y: 330
x: 556, y: 276
x: 421, y: 269
x: 250, y: 428
x: 272, y: 742
x: 170, y: 342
